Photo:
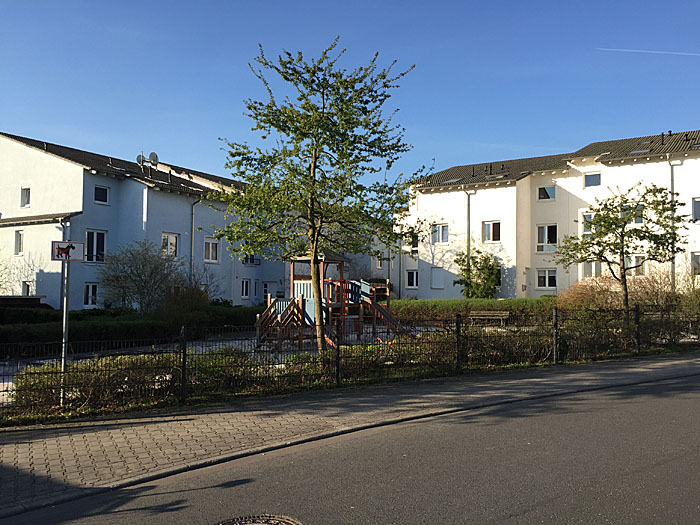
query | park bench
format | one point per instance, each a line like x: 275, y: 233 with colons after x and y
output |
x: 488, y: 317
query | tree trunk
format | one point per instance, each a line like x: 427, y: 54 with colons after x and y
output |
x: 316, y: 278
x: 625, y: 298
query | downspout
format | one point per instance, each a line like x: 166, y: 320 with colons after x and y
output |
x: 673, y: 198
x: 192, y: 241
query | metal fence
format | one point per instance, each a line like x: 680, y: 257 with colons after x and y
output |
x: 227, y: 361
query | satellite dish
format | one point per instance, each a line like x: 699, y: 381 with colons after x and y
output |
x: 140, y: 159
x: 153, y: 157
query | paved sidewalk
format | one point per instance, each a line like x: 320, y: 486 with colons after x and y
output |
x: 46, y: 464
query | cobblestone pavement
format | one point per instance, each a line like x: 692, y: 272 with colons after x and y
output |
x: 46, y: 464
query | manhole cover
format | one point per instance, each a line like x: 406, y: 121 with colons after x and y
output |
x: 262, y: 519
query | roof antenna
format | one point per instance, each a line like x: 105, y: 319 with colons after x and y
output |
x: 473, y: 175
x: 669, y: 133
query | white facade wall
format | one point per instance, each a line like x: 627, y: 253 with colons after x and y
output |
x: 520, y: 211
x: 134, y: 212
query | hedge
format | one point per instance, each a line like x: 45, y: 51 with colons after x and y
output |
x: 114, y: 324
x: 407, y: 310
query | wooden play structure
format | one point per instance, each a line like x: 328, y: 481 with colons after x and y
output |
x: 351, y: 309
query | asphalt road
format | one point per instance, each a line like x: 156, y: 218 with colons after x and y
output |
x: 620, y: 455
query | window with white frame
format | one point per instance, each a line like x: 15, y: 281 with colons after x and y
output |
x: 635, y: 216
x: 591, y: 269
x: 245, y: 288
x: 250, y: 259
x: 19, y: 242
x: 547, y: 238
x: 90, y: 294
x: 25, y: 197
x: 379, y: 263
x: 26, y: 288
x: 547, y: 278
x: 414, y: 244
x: 695, y: 263
x: 635, y: 263
x: 211, y: 250
x: 546, y: 193
x: 591, y: 179
x: 491, y: 231
x: 169, y: 242
x: 586, y: 225
x: 411, y: 278
x: 437, y: 278
x: 440, y: 233
x: 95, y: 246
x: 696, y: 209
x: 101, y: 195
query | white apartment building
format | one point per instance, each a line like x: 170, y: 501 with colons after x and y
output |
x: 51, y: 193
x: 519, y: 210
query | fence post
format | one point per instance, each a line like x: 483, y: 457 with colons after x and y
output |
x: 339, y: 339
x: 637, y: 331
x: 458, y: 342
x: 555, y: 334
x: 182, y: 343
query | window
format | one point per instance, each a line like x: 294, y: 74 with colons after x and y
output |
x: 211, y: 249
x: 437, y: 278
x: 491, y: 231
x: 695, y: 262
x: 546, y: 193
x: 250, y: 259
x: 586, y: 222
x: 411, y: 278
x: 696, y: 209
x: 591, y: 269
x: 546, y: 278
x: 547, y: 238
x: 379, y: 263
x: 591, y: 179
x: 90, y: 294
x: 245, y: 288
x: 635, y: 263
x: 19, y: 242
x: 267, y: 288
x: 169, y: 243
x: 439, y: 233
x: 414, y: 244
x: 633, y: 217
x: 25, y: 199
x: 26, y: 288
x: 95, y: 249
x: 101, y: 194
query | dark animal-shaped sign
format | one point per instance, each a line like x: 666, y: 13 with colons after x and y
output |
x: 63, y: 252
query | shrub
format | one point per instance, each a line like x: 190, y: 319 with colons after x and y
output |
x: 595, y: 292
x: 409, y: 310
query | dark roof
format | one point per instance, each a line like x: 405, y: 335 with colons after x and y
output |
x: 47, y: 218
x: 123, y: 168
x: 651, y: 145
x: 503, y: 170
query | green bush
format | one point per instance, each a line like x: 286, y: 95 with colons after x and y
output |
x: 408, y: 310
x: 29, y: 315
x: 228, y: 370
x: 99, y: 383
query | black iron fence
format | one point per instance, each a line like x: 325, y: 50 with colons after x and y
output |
x: 227, y: 361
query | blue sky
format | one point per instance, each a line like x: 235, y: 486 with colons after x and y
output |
x: 493, y: 80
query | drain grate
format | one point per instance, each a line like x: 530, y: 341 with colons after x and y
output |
x: 262, y: 519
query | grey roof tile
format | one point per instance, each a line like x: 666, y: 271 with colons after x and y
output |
x: 651, y: 145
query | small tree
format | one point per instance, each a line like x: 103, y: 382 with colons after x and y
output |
x: 479, y: 274
x: 140, y: 275
x: 626, y: 230
x: 306, y: 195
